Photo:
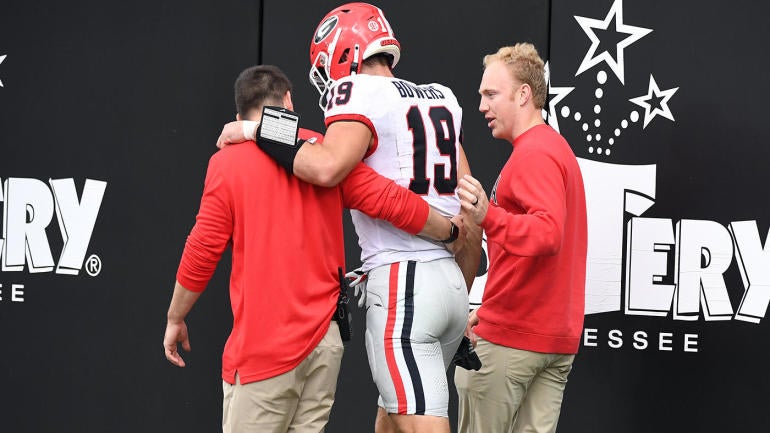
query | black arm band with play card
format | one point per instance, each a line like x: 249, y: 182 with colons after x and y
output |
x: 277, y: 135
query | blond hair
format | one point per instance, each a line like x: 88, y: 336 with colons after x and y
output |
x: 526, y: 66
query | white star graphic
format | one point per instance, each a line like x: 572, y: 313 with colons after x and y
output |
x: 588, y: 24
x: 654, y: 91
x: 560, y: 93
x: 1, y: 61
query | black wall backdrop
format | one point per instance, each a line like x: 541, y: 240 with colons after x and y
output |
x: 122, y: 102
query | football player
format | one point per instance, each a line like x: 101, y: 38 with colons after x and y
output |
x: 417, y: 295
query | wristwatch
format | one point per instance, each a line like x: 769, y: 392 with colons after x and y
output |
x: 453, y: 233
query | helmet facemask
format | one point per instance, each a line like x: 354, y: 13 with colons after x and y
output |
x: 320, y: 79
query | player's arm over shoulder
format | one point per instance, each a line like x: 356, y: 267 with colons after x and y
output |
x: 348, y: 136
x: 329, y: 162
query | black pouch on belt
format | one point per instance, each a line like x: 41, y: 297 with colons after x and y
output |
x: 341, y: 314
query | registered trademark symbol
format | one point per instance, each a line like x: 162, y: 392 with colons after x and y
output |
x: 93, y: 265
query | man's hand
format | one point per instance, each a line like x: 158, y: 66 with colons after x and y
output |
x: 473, y: 199
x: 237, y: 132
x: 473, y: 320
x: 458, y: 245
x: 467, y: 252
x: 357, y: 280
x: 176, y: 332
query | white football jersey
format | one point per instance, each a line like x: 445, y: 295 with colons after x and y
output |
x: 416, y: 132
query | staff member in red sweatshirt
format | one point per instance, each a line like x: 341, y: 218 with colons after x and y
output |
x: 281, y: 361
x: 531, y: 317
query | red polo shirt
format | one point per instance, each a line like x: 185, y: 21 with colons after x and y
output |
x: 287, y: 244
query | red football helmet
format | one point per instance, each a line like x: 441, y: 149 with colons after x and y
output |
x: 346, y: 37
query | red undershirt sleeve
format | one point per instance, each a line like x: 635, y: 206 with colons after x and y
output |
x: 211, y: 233
x: 538, y: 187
x: 379, y: 197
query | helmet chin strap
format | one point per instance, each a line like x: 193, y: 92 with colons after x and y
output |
x: 354, y: 64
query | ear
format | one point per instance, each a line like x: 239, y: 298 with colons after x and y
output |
x: 287, y: 101
x: 524, y: 94
x: 238, y: 116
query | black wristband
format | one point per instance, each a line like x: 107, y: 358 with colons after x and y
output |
x: 453, y: 233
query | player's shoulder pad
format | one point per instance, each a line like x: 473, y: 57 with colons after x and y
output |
x: 355, y: 95
x: 362, y: 86
x: 448, y: 94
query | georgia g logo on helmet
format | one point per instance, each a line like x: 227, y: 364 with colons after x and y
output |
x: 325, y: 28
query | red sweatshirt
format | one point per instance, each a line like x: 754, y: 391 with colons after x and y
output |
x: 536, y: 235
x: 287, y: 243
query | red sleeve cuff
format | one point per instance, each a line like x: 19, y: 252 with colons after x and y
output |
x: 494, y: 213
x: 192, y: 274
x: 417, y: 223
x: 188, y: 283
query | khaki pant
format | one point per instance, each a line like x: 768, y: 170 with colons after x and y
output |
x: 298, y: 401
x: 516, y: 391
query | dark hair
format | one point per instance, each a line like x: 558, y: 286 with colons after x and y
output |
x: 258, y: 86
x: 383, y: 59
